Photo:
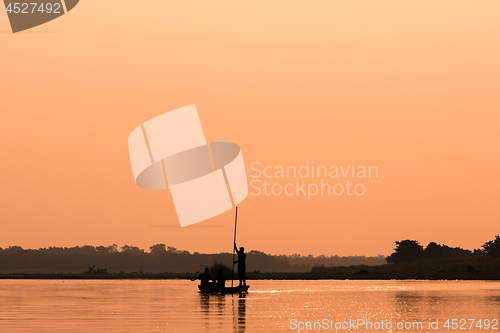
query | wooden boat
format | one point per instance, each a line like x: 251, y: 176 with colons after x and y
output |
x: 214, y: 288
x: 223, y: 290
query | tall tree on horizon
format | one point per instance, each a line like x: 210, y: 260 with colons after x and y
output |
x: 492, y: 248
x: 406, y: 251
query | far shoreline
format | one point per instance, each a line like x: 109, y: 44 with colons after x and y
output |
x: 443, y: 269
x: 250, y: 276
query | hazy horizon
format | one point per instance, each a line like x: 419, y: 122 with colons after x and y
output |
x: 147, y: 249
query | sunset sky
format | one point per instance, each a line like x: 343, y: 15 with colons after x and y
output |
x: 410, y: 87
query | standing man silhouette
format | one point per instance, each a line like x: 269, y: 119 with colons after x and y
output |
x: 241, y: 264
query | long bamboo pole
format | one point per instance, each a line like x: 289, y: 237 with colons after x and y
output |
x: 234, y: 242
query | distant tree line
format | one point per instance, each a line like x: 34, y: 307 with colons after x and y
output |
x: 408, y: 251
x: 159, y: 259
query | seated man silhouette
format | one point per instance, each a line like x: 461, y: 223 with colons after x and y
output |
x: 220, y: 279
x: 205, y: 278
x: 241, y: 264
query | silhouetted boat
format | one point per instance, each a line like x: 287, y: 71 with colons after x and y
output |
x: 214, y: 288
x: 223, y: 290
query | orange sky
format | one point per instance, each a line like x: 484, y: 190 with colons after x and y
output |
x: 411, y: 87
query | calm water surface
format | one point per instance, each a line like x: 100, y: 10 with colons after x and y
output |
x: 176, y: 306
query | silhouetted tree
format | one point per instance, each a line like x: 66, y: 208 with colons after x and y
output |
x: 436, y: 251
x: 132, y: 249
x: 107, y: 249
x: 158, y: 248
x: 14, y: 249
x: 406, y: 251
x: 492, y: 248
x: 478, y: 253
x: 433, y: 251
x: 171, y: 249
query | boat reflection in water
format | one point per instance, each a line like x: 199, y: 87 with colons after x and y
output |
x: 214, y: 306
x: 241, y: 312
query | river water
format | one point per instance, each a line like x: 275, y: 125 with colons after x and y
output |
x: 176, y: 306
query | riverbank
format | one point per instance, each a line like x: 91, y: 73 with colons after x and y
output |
x: 422, y: 270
